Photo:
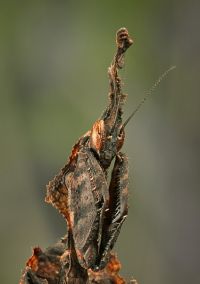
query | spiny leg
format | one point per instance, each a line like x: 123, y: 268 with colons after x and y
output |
x: 118, y: 208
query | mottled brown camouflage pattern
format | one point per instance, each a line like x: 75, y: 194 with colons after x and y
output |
x: 93, y: 207
x: 46, y: 268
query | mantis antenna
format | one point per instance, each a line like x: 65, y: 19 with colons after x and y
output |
x: 151, y: 90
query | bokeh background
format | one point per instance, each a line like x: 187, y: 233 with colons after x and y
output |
x: 53, y: 85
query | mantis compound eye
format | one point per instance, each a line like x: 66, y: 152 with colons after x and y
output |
x: 97, y: 138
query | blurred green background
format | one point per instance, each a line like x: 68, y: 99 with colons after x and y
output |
x: 53, y: 85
